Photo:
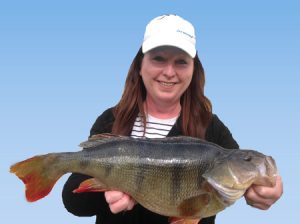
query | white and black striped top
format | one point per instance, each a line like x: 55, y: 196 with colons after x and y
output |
x: 155, y: 127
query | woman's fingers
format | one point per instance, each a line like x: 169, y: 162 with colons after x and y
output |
x: 113, y: 196
x: 119, y: 201
x: 263, y: 197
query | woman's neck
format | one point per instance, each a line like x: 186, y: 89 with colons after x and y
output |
x: 162, y: 111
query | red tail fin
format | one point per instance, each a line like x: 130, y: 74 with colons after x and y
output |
x: 37, y: 175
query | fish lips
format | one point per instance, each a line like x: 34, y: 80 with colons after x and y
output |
x: 268, y: 173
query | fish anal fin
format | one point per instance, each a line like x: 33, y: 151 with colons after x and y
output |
x: 175, y: 220
x: 193, y: 206
x: 91, y: 185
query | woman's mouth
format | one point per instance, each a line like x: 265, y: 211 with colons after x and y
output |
x: 167, y: 84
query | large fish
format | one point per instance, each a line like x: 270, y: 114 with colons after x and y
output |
x: 181, y: 177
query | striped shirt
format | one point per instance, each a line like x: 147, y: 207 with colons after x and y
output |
x: 155, y: 127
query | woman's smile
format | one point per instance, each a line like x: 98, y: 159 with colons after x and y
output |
x: 166, y: 84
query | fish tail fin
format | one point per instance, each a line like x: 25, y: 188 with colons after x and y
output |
x: 37, y: 175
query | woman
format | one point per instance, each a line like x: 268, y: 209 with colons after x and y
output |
x: 163, y: 96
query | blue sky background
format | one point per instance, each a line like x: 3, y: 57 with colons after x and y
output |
x: 63, y: 62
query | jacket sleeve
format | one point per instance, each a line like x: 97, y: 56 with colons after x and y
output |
x: 87, y: 204
x: 219, y: 134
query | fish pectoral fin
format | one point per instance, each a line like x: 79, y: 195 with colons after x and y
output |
x: 175, y: 220
x: 193, y: 206
x: 91, y: 185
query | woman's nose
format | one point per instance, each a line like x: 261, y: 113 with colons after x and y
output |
x: 169, y: 70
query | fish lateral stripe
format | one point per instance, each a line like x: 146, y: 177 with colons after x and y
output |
x: 176, y: 180
x: 139, y: 179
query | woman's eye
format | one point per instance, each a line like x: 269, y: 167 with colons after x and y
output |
x: 181, y: 62
x: 158, y: 58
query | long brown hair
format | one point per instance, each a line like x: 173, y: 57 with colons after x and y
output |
x: 196, y: 108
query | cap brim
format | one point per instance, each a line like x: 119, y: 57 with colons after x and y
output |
x: 181, y: 43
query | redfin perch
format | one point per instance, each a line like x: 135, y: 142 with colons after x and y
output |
x: 180, y: 177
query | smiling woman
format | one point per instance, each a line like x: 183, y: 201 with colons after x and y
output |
x: 163, y: 96
x: 166, y: 73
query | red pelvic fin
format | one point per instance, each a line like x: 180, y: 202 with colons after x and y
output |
x: 175, y: 220
x: 91, y: 185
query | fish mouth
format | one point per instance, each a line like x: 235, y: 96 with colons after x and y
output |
x: 268, y: 174
x: 271, y: 167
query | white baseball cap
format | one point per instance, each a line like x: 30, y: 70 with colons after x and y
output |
x: 170, y: 30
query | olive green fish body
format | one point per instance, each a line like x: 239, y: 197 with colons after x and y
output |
x: 159, y: 174
x: 177, y: 177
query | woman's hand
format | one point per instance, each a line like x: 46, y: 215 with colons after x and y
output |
x: 119, y: 201
x: 263, y: 197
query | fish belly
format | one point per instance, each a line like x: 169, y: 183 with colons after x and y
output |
x: 162, y: 189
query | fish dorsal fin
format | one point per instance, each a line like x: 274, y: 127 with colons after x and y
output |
x: 99, y: 139
x: 104, y: 136
x: 186, y: 139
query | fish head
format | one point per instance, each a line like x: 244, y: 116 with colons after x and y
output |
x: 234, y: 173
x: 248, y: 167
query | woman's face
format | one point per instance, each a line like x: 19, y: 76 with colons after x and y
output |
x: 166, y: 73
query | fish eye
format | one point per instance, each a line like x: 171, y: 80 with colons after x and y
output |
x: 247, y: 158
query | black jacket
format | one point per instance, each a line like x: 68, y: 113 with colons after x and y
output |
x: 89, y: 204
